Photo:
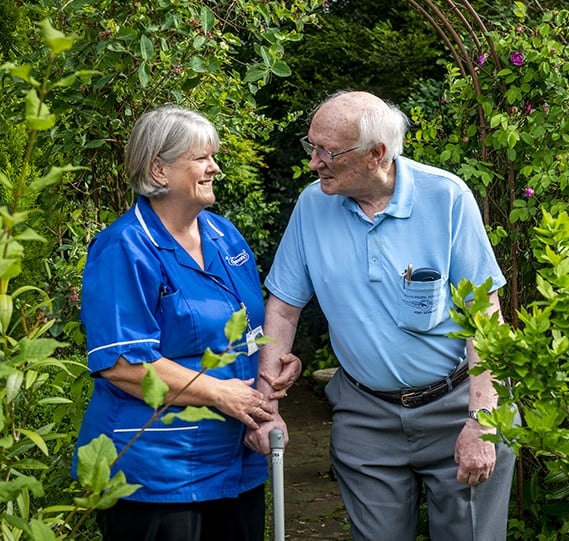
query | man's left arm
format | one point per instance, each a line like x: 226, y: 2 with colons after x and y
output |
x: 475, y: 457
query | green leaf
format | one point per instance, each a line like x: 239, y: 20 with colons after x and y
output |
x: 236, y: 326
x: 227, y: 358
x: 29, y: 464
x: 35, y: 350
x: 95, y: 143
x: 197, y: 64
x: 9, y: 490
x: 55, y: 400
x: 38, y: 116
x: 199, y: 42
x: 146, y: 47
x: 23, y: 72
x: 10, y: 268
x: 40, y: 531
x: 7, y: 442
x: 94, y: 463
x: 66, y: 81
x: 265, y: 54
x: 143, y: 75
x: 210, y: 359
x: 256, y: 72
x: 207, y: 19
x: 281, y: 69
x: 13, y: 385
x: 37, y: 439
x: 54, y: 39
x: 117, y: 488
x: 192, y: 414
x: 28, y: 235
x: 154, y: 389
x: 53, y: 176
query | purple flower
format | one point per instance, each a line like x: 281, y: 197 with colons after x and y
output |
x: 529, y: 108
x: 529, y: 192
x: 517, y: 58
x: 482, y: 58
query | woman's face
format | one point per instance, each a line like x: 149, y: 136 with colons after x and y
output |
x: 191, y: 176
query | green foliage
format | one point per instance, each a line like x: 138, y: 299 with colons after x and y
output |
x: 129, y: 57
x: 10, y: 17
x: 212, y: 56
x: 502, y: 127
x: 43, y: 394
x: 531, y: 364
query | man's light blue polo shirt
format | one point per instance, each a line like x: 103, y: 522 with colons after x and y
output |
x: 145, y: 298
x: 388, y: 334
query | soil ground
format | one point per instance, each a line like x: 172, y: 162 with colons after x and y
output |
x: 313, y: 507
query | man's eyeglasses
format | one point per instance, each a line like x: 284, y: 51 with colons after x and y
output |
x: 325, y: 155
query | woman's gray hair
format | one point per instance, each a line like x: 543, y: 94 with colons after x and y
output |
x: 379, y: 122
x: 165, y: 134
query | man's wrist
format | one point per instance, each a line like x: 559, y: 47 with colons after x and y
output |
x: 474, y: 413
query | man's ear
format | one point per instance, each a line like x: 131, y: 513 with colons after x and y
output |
x: 377, y: 153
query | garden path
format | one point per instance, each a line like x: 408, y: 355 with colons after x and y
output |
x: 313, y: 507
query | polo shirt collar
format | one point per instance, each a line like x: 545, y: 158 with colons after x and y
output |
x: 401, y: 203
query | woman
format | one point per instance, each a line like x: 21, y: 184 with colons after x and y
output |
x: 159, y: 285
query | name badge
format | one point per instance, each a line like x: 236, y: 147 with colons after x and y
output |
x: 253, y: 335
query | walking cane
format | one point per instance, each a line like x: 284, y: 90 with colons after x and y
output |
x: 276, y: 440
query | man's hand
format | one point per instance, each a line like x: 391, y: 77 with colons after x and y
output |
x: 258, y: 439
x: 291, y: 368
x: 475, y: 457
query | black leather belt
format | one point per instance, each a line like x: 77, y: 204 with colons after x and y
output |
x: 413, y: 398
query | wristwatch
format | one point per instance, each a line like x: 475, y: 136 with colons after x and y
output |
x: 473, y: 414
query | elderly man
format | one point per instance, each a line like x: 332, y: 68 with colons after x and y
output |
x: 380, y: 239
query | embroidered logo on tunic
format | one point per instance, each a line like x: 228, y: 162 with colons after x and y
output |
x: 237, y: 260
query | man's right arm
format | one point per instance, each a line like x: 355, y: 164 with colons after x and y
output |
x: 281, y: 321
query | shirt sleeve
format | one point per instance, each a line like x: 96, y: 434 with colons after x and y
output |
x: 288, y: 278
x: 472, y: 255
x: 121, y: 288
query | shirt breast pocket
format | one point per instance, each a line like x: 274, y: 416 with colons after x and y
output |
x: 179, y: 332
x: 423, y: 304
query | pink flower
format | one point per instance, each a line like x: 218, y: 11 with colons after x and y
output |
x: 529, y: 108
x: 517, y: 58
x: 529, y: 192
x: 482, y: 58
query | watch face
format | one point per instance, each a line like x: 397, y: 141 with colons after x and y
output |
x: 473, y: 414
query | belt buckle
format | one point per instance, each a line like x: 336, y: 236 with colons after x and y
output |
x: 407, y: 399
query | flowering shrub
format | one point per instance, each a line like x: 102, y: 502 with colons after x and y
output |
x: 504, y: 128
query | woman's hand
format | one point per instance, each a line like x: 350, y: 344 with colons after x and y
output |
x: 237, y: 398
